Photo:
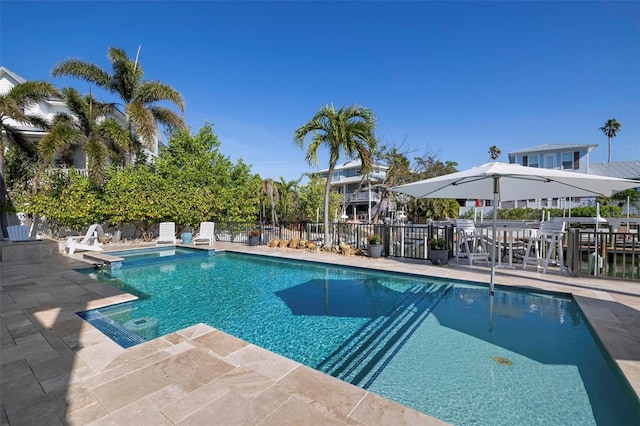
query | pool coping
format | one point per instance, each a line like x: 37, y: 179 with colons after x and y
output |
x: 64, y: 364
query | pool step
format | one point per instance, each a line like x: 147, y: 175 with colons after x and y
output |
x: 363, y: 356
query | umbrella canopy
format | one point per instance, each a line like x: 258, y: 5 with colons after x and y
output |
x: 507, y: 182
x: 516, y: 183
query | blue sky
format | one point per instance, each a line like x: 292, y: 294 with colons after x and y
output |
x: 452, y: 78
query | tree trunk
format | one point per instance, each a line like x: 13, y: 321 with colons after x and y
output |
x: 1, y: 157
x: 327, y: 187
x: 609, y: 158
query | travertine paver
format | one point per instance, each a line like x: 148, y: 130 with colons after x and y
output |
x: 58, y: 369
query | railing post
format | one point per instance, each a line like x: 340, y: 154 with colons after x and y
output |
x: 386, y: 238
x: 449, y: 236
x: 573, y: 251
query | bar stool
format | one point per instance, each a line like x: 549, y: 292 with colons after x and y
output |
x: 470, y: 242
x: 548, y: 241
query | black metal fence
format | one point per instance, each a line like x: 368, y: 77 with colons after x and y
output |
x: 604, y: 254
x: 408, y: 241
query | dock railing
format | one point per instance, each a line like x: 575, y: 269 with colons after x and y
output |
x: 604, y: 253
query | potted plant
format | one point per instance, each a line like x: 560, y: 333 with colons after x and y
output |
x: 375, y: 246
x: 254, y: 237
x: 439, y: 253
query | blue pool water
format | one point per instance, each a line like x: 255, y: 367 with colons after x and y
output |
x: 154, y: 255
x: 423, y: 342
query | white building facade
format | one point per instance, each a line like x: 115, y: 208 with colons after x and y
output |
x: 361, y: 194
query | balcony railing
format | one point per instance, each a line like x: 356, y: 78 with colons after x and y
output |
x: 65, y: 171
x: 362, y: 196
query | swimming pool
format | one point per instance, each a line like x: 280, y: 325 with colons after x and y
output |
x: 421, y: 341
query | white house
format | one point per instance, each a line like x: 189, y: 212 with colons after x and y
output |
x: 48, y: 109
x: 573, y: 157
x: 569, y: 157
x: 361, y: 193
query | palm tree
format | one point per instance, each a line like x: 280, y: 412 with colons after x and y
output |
x: 289, y: 196
x: 350, y: 129
x: 87, y: 127
x: 13, y: 106
x: 611, y: 129
x: 271, y: 191
x: 494, y: 152
x: 140, y: 97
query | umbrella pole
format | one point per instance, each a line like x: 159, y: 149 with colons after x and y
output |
x: 491, y: 313
x: 496, y: 189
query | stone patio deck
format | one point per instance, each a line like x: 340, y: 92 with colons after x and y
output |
x: 57, y: 369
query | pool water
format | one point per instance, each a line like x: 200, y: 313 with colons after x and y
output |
x: 439, y: 346
x: 155, y: 255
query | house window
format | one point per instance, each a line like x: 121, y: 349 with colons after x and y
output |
x: 532, y: 161
x: 571, y: 160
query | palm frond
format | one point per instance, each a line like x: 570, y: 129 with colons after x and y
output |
x: 168, y: 117
x: 84, y: 71
x: 116, y: 139
x: 16, y: 136
x: 31, y: 92
x: 60, y: 140
x: 143, y: 122
x: 38, y: 121
x: 155, y: 91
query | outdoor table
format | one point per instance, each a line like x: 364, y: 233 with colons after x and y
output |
x: 507, y: 241
x: 507, y: 235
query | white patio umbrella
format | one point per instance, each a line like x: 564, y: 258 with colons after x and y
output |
x: 507, y: 182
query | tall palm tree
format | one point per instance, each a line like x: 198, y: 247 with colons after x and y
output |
x: 611, y: 129
x: 139, y: 97
x: 86, y: 126
x: 350, y: 130
x: 13, y: 107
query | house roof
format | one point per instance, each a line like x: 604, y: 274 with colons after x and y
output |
x: 350, y: 165
x: 555, y: 147
x: 13, y: 75
x: 618, y: 169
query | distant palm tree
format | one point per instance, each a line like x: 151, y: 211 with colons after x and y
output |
x: 349, y: 129
x: 13, y: 106
x: 289, y: 196
x: 140, y: 97
x: 271, y: 191
x: 611, y: 129
x: 87, y: 126
x: 494, y: 153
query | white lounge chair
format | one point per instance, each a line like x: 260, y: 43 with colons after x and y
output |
x: 167, y: 234
x: 18, y: 232
x: 205, y: 234
x: 87, y: 242
x: 470, y: 242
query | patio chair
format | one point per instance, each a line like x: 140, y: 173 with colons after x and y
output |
x: 88, y: 242
x: 205, y: 234
x: 547, y: 242
x: 18, y: 232
x: 167, y: 233
x: 470, y: 242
